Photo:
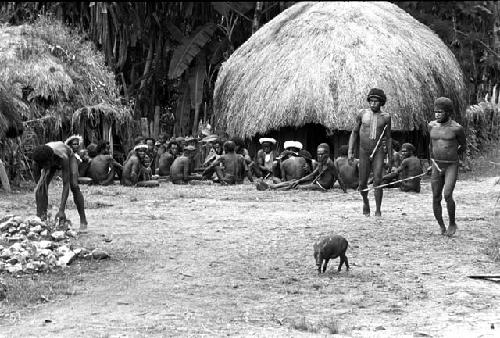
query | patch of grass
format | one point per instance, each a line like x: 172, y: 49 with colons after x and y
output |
x: 30, y: 289
x: 329, y: 326
x: 493, y: 249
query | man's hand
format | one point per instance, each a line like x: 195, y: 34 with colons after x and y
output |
x: 350, y: 160
x: 61, y: 216
x: 295, y: 183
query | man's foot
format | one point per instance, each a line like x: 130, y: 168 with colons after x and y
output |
x: 452, y: 228
x: 443, y: 229
x: 378, y: 213
x: 261, y: 186
x: 83, y: 229
x: 366, y: 209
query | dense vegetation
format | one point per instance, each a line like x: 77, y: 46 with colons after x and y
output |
x: 166, y: 54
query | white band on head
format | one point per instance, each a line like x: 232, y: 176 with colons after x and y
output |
x: 267, y: 139
x: 293, y: 144
x: 140, y: 146
x: 72, y: 137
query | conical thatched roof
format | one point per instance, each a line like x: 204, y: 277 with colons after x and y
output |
x: 53, y: 72
x: 316, y: 62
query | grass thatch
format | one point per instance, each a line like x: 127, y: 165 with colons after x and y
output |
x: 55, y: 72
x: 10, y: 114
x: 316, y: 62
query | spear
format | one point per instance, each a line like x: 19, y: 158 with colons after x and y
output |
x: 398, y: 181
x: 378, y: 143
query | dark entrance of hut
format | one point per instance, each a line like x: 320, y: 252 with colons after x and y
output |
x: 311, y: 135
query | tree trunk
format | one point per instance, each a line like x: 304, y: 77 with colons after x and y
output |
x: 256, y: 16
x: 149, y: 60
x: 4, y: 178
x: 496, y: 27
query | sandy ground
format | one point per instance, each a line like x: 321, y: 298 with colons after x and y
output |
x: 217, y: 261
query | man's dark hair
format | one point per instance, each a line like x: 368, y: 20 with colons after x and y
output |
x: 42, y: 155
x: 100, y: 147
x: 171, y: 143
x: 344, y: 150
x: 92, y: 149
x: 229, y: 146
x: 238, y: 141
x: 410, y: 147
x: 396, y: 145
x: 138, y: 140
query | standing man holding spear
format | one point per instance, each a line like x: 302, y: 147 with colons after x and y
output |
x: 372, y: 125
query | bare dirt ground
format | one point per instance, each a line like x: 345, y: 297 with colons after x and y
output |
x: 217, y: 261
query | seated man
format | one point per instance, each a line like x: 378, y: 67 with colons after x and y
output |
x: 103, y: 167
x: 293, y: 166
x: 138, y: 140
x: 196, y: 159
x: 410, y: 167
x: 322, y: 178
x: 167, y: 158
x: 48, y: 159
x: 263, y: 165
x: 181, y: 169
x: 229, y: 167
x: 151, y: 151
x: 75, y: 142
x: 218, y: 151
x: 240, y: 149
x: 348, y: 174
x: 293, y: 149
x: 396, y: 156
x: 134, y: 169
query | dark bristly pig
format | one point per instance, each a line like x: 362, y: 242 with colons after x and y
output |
x: 330, y: 247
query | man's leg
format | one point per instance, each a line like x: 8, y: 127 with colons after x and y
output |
x: 42, y: 192
x: 310, y: 187
x: 109, y: 177
x: 450, y: 178
x: 437, y: 184
x: 378, y: 173
x: 364, y: 173
x: 77, y: 194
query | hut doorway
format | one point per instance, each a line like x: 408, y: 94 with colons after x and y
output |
x: 310, y: 135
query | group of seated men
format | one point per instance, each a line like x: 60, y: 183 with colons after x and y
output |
x: 228, y: 162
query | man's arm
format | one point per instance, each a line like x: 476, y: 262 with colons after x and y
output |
x: 353, y: 139
x: 462, y: 143
x: 66, y: 185
x: 185, y: 167
x: 429, y: 129
x: 389, y: 140
x: 134, y: 170
x: 311, y: 176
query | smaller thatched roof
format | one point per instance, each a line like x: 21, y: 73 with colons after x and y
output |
x: 100, y: 112
x: 316, y: 61
x: 54, y: 72
x: 10, y: 117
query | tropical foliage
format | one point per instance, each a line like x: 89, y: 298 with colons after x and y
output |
x: 166, y: 55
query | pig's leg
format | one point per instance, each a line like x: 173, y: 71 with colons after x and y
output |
x: 325, y: 264
x: 343, y: 259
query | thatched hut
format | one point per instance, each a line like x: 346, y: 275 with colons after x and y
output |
x: 60, y: 79
x: 10, y: 118
x: 306, y: 73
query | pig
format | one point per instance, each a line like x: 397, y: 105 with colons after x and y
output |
x: 328, y: 247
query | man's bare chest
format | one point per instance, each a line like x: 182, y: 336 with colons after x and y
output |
x: 368, y: 119
x: 443, y: 133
